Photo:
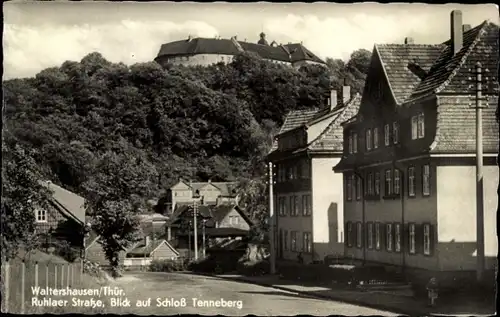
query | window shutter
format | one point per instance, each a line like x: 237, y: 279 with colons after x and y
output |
x: 419, y: 239
x: 432, y: 237
x: 346, y: 234
x: 362, y: 234
x: 383, y: 236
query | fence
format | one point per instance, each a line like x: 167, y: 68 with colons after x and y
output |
x: 20, y: 279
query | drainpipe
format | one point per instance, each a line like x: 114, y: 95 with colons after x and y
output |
x: 309, y: 161
x: 402, y: 197
x: 363, y: 221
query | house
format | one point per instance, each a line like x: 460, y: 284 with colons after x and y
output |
x: 308, y: 195
x: 218, y: 222
x: 150, y: 225
x: 186, y: 192
x: 409, y: 157
x: 150, y: 249
x: 94, y: 251
x: 208, y: 51
x: 64, y: 219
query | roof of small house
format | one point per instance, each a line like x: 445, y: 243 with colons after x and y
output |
x: 69, y: 203
x: 286, y: 53
x: 331, y: 137
x: 146, y: 250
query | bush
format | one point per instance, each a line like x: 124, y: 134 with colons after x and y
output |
x: 253, y: 268
x: 206, y: 265
x: 167, y: 266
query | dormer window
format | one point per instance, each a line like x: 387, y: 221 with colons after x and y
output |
x: 350, y: 145
x: 417, y: 126
x: 355, y: 142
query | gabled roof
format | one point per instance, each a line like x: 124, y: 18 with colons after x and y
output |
x: 296, y: 52
x: 226, y: 188
x: 146, y: 250
x: 332, y: 138
x: 395, y: 59
x: 69, y: 203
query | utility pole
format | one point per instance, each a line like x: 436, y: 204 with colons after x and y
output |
x: 478, y: 106
x: 271, y: 221
x: 204, y: 244
x: 195, y: 226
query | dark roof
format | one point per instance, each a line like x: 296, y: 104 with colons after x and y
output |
x: 145, y: 250
x: 149, y: 228
x: 185, y: 210
x: 395, y: 59
x: 69, y: 203
x: 226, y: 188
x: 300, y: 53
x: 286, y: 53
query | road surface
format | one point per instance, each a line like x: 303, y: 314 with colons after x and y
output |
x: 238, y: 299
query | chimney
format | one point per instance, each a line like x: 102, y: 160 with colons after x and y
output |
x: 346, y: 92
x: 332, y: 101
x: 189, y: 38
x: 147, y: 240
x: 409, y: 40
x: 466, y: 27
x: 456, y: 31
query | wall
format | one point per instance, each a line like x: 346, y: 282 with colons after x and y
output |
x: 327, y: 207
x: 242, y: 224
x: 201, y: 59
x: 290, y: 223
x: 209, y: 193
x: 457, y: 216
x: 164, y: 252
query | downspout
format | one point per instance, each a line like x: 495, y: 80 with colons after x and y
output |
x: 309, y: 159
x: 363, y: 221
x: 402, y: 197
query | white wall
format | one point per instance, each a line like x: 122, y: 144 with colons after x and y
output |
x: 327, y: 190
x: 456, y: 206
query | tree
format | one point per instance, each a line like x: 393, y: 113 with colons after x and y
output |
x: 22, y: 195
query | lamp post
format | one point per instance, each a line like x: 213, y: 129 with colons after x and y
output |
x: 204, y: 243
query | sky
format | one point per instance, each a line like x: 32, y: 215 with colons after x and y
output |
x: 38, y: 35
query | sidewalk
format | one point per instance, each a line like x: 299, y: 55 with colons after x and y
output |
x: 401, y: 304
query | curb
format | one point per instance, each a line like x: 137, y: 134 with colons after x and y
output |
x: 315, y: 295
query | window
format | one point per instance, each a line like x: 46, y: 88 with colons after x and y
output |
x: 412, y: 238
x: 349, y: 187
x: 307, y: 246
x: 358, y: 188
x: 293, y: 240
x: 368, y: 140
x: 236, y: 220
x: 370, y: 235
x: 359, y: 234
x: 387, y: 136
x: 355, y: 142
x: 306, y: 205
x: 395, y: 132
x: 370, y: 184
x: 350, y: 144
x: 427, y: 239
x: 41, y: 215
x: 397, y: 237
x: 296, y: 205
x: 291, y: 205
x: 396, y: 182
x: 375, y: 138
x: 285, y: 240
x: 426, y: 180
x: 349, y: 234
x: 388, y: 232
x: 377, y: 183
x: 417, y: 126
x: 231, y: 220
x: 388, y: 183
x: 411, y: 181
x: 377, y: 236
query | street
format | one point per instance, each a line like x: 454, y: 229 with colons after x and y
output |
x: 175, y: 289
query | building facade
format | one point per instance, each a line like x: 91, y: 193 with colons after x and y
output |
x: 409, y: 157
x: 206, y: 51
x: 308, y: 195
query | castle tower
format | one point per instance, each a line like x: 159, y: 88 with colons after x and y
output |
x: 262, y: 40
